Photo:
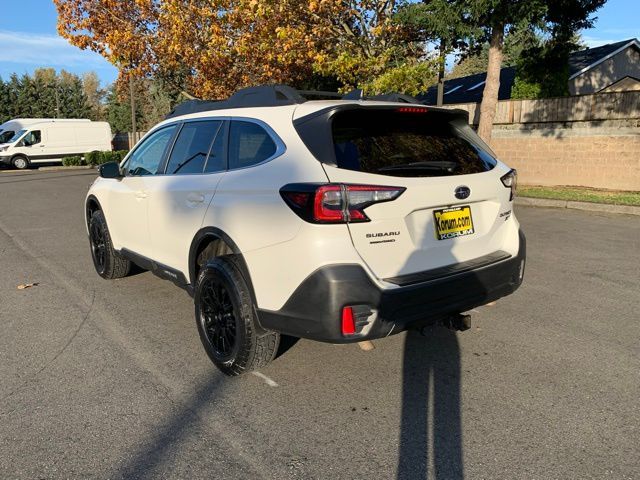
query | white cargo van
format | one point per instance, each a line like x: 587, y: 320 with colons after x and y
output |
x: 9, y: 128
x: 48, y: 141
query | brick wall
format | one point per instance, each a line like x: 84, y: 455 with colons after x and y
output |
x: 583, y: 159
x: 585, y: 140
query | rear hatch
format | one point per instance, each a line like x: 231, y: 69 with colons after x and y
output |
x: 454, y: 205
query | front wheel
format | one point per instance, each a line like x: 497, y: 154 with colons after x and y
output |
x: 20, y: 162
x: 227, y: 322
x: 108, y: 263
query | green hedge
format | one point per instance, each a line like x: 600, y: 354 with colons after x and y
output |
x: 73, y: 161
x: 97, y: 158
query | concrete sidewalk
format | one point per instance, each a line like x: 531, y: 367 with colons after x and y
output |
x: 588, y: 206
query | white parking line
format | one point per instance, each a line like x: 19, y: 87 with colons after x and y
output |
x: 266, y: 379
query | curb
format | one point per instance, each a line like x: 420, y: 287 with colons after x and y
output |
x: 64, y: 169
x: 586, y: 206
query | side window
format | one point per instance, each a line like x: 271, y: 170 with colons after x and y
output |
x: 191, y: 148
x: 146, y: 159
x: 217, y: 160
x: 32, y: 138
x: 249, y: 144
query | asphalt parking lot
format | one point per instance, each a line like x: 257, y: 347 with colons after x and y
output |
x: 104, y: 379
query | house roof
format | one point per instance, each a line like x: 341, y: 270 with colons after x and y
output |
x: 584, y: 60
x: 469, y: 89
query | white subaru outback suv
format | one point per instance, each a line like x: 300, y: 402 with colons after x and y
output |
x: 338, y: 221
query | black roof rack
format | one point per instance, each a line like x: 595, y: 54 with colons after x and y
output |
x: 276, y: 95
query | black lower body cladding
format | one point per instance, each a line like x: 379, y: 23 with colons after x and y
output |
x: 314, y: 310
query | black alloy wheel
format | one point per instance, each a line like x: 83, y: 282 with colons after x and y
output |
x: 226, y: 318
x: 108, y: 263
x: 218, y: 319
x: 98, y: 246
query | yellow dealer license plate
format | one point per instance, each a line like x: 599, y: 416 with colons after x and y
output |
x: 453, y: 222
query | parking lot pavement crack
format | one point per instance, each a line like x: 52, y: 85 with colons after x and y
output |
x: 72, y: 337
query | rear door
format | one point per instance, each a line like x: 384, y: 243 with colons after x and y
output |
x: 433, y: 155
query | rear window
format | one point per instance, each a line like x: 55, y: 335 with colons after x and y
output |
x: 407, y: 144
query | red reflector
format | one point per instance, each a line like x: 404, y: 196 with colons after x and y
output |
x: 412, y: 110
x: 348, y: 322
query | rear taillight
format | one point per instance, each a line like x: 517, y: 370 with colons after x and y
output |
x: 336, y: 202
x: 510, y: 180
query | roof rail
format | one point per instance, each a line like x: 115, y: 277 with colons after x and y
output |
x: 260, y: 96
x: 276, y: 95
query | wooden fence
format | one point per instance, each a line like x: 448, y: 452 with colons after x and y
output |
x: 126, y: 141
x: 599, y: 106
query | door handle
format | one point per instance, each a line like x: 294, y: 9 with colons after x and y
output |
x: 141, y: 194
x: 41, y: 146
x: 195, y: 198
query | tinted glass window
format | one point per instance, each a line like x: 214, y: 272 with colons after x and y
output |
x: 6, y: 135
x: 217, y: 160
x: 146, y: 159
x: 16, y: 136
x: 32, y: 138
x: 423, y: 144
x: 249, y: 144
x: 191, y: 148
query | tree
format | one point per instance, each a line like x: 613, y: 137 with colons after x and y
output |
x: 95, y: 95
x: 211, y: 48
x: 5, y: 101
x: 518, y: 42
x: 43, y: 94
x: 442, y: 21
x: 408, y: 78
x: 562, y: 18
x: 228, y: 43
x: 367, y: 47
x: 153, y: 100
x: 543, y: 69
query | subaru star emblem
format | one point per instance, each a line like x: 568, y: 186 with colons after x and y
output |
x: 462, y: 192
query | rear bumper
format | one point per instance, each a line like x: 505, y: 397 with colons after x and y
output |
x: 314, y: 309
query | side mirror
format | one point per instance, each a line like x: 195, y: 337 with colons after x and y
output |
x: 110, y: 170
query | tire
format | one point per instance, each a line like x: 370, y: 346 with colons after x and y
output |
x: 20, y: 162
x: 227, y: 322
x: 108, y: 263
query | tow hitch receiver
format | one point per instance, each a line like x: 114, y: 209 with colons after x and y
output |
x: 459, y: 322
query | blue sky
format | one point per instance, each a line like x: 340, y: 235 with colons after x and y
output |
x: 28, y: 37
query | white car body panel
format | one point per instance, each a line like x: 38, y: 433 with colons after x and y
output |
x: 279, y: 248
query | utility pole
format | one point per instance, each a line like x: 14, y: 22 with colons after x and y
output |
x: 57, y: 101
x: 132, y: 101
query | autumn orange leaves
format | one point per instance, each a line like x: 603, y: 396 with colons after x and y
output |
x: 214, y: 47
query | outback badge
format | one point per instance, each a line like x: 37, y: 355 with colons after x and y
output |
x: 462, y: 192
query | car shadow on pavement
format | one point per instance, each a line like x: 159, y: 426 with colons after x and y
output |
x: 160, y: 449
x: 430, y: 421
